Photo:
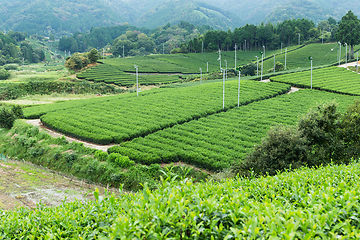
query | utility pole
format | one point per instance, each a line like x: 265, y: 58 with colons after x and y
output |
x: 285, y: 57
x: 262, y: 64
x: 235, y: 55
x: 346, y: 55
x: 123, y: 51
x: 299, y: 38
x: 239, y: 90
x: 311, y: 60
x: 264, y: 51
x: 219, y: 59
x: 340, y: 55
x: 223, y: 88
x: 207, y: 67
x: 274, y: 62
x: 257, y: 65
x: 137, y: 80
x: 202, y: 49
x: 357, y: 61
x: 225, y: 70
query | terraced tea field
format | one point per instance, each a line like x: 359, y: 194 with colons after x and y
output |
x: 217, y: 141
x: 121, y: 118
x: 333, y: 79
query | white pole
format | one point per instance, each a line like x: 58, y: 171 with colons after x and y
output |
x: 257, y: 65
x: 357, y: 61
x: 239, y: 90
x: 299, y: 38
x: 223, y: 88
x: 219, y: 59
x: 346, y: 55
x: 137, y: 80
x: 340, y: 54
x: 202, y: 49
x: 274, y: 62
x: 207, y: 66
x: 225, y: 70
x: 200, y: 75
x: 311, y: 59
x: 262, y: 64
x: 285, y: 57
x: 235, y: 56
x: 264, y: 51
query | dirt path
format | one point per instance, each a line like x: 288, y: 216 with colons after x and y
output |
x: 37, y: 122
x: 294, y: 89
x: 24, y: 185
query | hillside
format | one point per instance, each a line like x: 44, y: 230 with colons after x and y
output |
x: 194, y: 12
x: 63, y: 17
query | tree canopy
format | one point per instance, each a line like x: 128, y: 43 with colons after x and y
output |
x: 349, y: 30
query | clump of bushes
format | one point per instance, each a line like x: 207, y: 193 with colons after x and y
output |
x: 4, y: 74
x: 8, y: 116
x: 321, y: 137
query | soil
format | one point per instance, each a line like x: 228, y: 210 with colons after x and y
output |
x: 25, y: 185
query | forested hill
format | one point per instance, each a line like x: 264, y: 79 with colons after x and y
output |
x: 64, y: 17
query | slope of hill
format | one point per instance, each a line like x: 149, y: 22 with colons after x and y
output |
x: 197, y: 13
x: 66, y: 16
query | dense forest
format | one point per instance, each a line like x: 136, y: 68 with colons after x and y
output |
x: 14, y: 48
x: 186, y: 37
x: 132, y: 40
x: 273, y: 36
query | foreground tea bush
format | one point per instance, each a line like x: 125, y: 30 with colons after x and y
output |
x: 304, y: 204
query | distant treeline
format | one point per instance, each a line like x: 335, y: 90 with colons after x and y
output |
x: 133, y: 40
x: 185, y: 37
x: 13, y: 48
x: 250, y: 37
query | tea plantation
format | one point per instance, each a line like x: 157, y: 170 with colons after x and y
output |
x: 305, y: 204
x: 123, y: 118
x: 333, y: 79
x: 217, y: 141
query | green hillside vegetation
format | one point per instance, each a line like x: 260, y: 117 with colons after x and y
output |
x: 304, y: 204
x: 158, y: 110
x: 221, y: 140
x: 194, y: 12
x: 322, y: 54
x: 332, y: 79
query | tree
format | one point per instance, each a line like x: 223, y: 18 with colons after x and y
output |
x: 349, y: 31
x: 93, y: 55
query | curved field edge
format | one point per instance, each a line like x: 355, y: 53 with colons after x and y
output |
x: 304, y: 204
x: 217, y: 141
x: 331, y: 79
x: 103, y: 123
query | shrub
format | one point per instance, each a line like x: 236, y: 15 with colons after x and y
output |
x: 101, y: 156
x: 282, y: 148
x: 121, y: 161
x: 4, y: 74
x: 7, y: 118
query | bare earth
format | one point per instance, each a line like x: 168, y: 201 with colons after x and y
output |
x: 24, y: 185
